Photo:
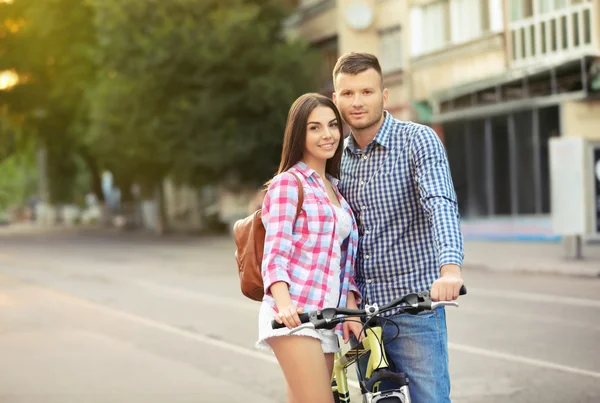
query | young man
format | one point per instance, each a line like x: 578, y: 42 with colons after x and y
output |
x: 395, y: 176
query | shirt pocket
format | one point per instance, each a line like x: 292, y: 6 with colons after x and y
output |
x: 319, y: 216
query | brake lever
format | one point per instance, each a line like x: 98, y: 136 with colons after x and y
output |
x: 444, y: 303
x: 320, y: 323
x: 302, y: 327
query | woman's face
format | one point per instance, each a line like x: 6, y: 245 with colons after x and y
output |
x: 322, y: 135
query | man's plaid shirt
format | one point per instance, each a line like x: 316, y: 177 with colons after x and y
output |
x: 401, y: 192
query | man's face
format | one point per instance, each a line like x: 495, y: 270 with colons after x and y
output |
x: 360, y: 98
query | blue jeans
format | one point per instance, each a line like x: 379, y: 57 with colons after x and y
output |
x: 421, y: 352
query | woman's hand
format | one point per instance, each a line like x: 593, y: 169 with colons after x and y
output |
x: 287, y: 311
x: 288, y: 315
x: 353, y: 326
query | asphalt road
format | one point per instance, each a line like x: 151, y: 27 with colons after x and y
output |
x: 104, y: 317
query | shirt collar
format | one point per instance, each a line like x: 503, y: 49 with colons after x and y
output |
x: 305, y: 170
x: 382, y: 137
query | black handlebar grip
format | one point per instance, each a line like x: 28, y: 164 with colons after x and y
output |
x: 304, y: 318
x: 463, y: 290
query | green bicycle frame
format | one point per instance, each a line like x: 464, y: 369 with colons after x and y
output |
x: 377, y: 360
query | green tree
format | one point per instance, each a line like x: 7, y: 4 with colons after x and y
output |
x: 197, y: 89
x: 49, y: 44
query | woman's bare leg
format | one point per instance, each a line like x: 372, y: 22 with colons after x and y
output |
x: 305, y: 368
x: 329, y: 360
x: 290, y: 397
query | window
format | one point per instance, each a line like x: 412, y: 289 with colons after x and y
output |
x: 467, y: 19
x: 328, y: 49
x: 429, y: 27
x: 496, y: 10
x: 455, y: 21
x: 435, y: 17
x: 416, y: 24
x: 391, y: 49
x: 520, y: 9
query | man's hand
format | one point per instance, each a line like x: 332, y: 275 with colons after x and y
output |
x: 353, y: 326
x: 447, y: 287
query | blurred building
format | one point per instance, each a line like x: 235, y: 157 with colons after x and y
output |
x: 335, y: 27
x: 495, y: 78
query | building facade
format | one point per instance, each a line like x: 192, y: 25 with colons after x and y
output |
x: 496, y: 79
x: 380, y: 27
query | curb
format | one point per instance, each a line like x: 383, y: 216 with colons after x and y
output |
x: 582, y: 272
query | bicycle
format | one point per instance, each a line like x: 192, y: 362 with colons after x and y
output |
x: 377, y: 369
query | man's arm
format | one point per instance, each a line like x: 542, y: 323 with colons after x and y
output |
x: 438, y: 199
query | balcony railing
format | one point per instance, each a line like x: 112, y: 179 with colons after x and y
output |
x: 554, y: 36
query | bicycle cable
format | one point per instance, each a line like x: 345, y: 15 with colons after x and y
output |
x: 381, y: 341
x: 356, y: 351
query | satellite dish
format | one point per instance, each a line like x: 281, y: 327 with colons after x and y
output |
x: 359, y: 15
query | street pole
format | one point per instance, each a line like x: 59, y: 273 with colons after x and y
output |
x: 42, y: 162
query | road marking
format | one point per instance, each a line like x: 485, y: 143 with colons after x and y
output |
x: 262, y: 356
x: 522, y: 360
x: 252, y: 353
x: 199, y: 296
x: 553, y: 321
x: 533, y: 297
x: 210, y: 299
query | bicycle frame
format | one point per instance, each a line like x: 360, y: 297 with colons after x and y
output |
x: 377, y: 366
x: 377, y: 360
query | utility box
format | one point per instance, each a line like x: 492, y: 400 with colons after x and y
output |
x: 596, y: 188
x: 575, y: 186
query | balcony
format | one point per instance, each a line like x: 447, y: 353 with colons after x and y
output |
x: 554, y: 37
x: 308, y: 10
x: 315, y: 21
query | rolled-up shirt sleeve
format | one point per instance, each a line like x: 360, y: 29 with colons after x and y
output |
x: 353, y: 288
x: 349, y: 259
x: 278, y: 217
x: 437, y: 195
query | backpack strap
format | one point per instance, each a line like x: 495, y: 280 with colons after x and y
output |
x: 300, y: 195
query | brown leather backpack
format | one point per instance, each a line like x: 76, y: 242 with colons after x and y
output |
x: 249, y: 235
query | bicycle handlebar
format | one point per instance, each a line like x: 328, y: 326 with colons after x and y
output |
x: 327, y: 318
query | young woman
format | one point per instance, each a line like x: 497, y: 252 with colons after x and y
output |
x: 308, y: 260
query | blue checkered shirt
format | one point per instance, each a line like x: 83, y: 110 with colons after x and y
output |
x: 401, y: 192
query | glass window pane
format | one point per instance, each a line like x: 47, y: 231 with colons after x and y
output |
x: 501, y: 159
x: 549, y: 127
x: 525, y: 161
x: 454, y: 139
x: 515, y: 10
x: 477, y: 203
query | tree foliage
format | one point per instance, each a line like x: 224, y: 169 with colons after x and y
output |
x: 50, y: 46
x: 196, y: 89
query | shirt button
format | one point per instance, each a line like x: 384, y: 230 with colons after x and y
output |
x: 369, y: 281
x: 362, y: 182
x: 364, y: 207
x: 365, y: 157
x: 367, y: 232
x: 367, y: 257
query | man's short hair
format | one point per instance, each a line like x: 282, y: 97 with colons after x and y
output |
x: 354, y: 63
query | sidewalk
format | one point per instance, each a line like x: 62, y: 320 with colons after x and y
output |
x: 31, y: 228
x: 531, y: 257
x: 525, y: 256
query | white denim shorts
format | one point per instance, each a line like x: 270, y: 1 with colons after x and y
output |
x: 328, y: 338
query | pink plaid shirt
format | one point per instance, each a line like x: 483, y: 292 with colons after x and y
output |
x: 301, y: 252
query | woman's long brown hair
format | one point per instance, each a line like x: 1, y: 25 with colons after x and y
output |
x: 294, y: 139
